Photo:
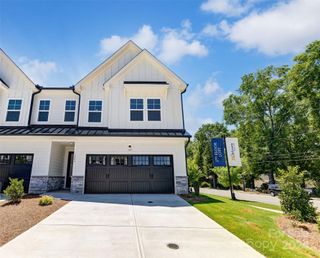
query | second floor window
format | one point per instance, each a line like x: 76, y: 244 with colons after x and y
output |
x: 70, y: 111
x: 95, y: 109
x: 136, y: 109
x: 44, y: 106
x: 154, y: 110
x: 14, y: 108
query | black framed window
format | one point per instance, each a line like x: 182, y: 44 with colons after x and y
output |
x: 140, y: 160
x: 119, y: 161
x: 136, y: 109
x: 14, y: 108
x: 44, y: 106
x: 100, y: 160
x: 95, y: 109
x: 23, y: 159
x: 154, y: 109
x: 161, y: 161
x: 70, y: 111
x: 4, y: 159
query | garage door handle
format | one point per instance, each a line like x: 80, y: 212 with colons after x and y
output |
x: 151, y: 176
x: 107, y: 176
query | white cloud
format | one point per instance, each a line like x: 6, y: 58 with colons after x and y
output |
x: 38, y: 71
x: 227, y: 7
x: 210, y: 30
x: 177, y: 43
x: 145, y: 38
x: 171, y: 45
x: 284, y: 28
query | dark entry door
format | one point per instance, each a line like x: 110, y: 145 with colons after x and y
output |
x: 129, y: 174
x: 69, y: 169
x: 15, y: 166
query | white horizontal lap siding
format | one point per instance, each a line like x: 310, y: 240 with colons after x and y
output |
x: 38, y: 146
x: 139, y: 145
x: 58, y: 100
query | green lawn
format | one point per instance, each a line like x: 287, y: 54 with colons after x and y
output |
x: 256, y: 227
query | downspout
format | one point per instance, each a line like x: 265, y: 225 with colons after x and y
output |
x: 31, y: 103
x: 78, y: 114
x: 183, y: 124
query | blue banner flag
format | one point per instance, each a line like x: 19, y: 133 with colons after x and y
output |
x: 218, y: 157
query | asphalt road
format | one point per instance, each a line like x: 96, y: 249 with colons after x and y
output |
x: 251, y: 196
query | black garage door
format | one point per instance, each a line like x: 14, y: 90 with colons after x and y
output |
x: 15, y: 166
x: 129, y: 174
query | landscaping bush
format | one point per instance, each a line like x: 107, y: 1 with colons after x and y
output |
x: 205, y: 184
x: 294, y: 200
x: 195, y: 176
x: 46, y: 200
x: 15, y: 190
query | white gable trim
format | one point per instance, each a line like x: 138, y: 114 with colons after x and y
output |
x: 108, y: 61
x: 145, y: 53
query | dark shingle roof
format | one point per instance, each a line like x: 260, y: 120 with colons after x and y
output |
x: 58, y: 130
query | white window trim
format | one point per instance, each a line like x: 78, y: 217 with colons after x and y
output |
x: 75, y: 111
x: 5, y: 115
x: 143, y: 110
x: 37, y: 118
x: 95, y: 111
x: 154, y: 109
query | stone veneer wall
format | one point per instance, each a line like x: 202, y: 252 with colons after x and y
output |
x: 77, y: 184
x: 42, y: 184
x: 181, y: 184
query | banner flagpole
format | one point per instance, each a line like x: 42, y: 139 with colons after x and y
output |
x: 233, y: 197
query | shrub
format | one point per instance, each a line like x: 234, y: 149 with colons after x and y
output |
x: 294, y: 200
x: 15, y: 190
x: 223, y: 177
x: 195, y: 176
x: 205, y: 184
x: 46, y: 200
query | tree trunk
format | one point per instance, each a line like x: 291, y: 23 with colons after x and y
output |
x: 214, y: 181
x: 252, y: 185
x: 271, y: 177
x: 196, y: 189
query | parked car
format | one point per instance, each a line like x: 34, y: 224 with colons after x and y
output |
x: 274, y: 190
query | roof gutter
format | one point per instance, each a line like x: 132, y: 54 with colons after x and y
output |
x: 32, y: 100
x: 78, y: 114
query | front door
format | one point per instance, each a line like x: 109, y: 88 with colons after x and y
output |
x: 69, y: 169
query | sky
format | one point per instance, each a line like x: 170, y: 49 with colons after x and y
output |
x: 211, y: 44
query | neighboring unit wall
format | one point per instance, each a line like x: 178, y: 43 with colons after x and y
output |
x: 20, y: 87
x: 58, y: 100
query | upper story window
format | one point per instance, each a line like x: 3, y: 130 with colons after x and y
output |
x: 70, y: 110
x: 154, y: 110
x: 44, y: 106
x: 14, y: 108
x: 95, y: 109
x: 136, y: 109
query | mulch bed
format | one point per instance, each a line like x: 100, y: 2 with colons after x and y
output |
x: 307, y: 233
x: 17, y: 218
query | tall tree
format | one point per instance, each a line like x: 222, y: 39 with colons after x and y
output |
x: 201, y: 147
x: 261, y: 114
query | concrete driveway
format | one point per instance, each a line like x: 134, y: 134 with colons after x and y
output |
x: 127, y: 226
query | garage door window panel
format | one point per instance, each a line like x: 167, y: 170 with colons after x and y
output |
x: 95, y: 109
x: 14, y: 108
x: 161, y: 161
x: 154, y: 110
x: 4, y: 159
x: 97, y: 160
x: 136, y: 109
x: 119, y: 161
x: 23, y: 159
x: 140, y: 160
